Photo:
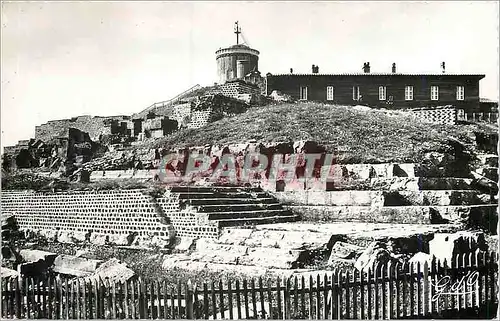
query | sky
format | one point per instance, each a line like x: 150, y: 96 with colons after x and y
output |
x: 65, y: 59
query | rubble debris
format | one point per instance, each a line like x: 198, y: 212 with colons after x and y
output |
x: 376, y: 253
x: 343, y: 250
x: 113, y: 271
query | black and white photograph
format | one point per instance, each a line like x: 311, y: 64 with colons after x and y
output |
x: 249, y: 160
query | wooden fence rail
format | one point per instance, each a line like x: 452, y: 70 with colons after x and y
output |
x: 389, y: 291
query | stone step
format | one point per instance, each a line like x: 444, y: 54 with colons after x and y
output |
x: 401, y: 183
x: 250, y: 214
x: 258, y: 220
x: 211, y: 195
x: 479, y: 216
x: 249, y: 256
x: 423, y: 183
x: 220, y: 189
x: 237, y: 207
x: 306, y: 239
x: 224, y: 201
x: 382, y: 198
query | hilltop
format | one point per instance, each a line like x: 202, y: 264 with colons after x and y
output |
x: 357, y: 135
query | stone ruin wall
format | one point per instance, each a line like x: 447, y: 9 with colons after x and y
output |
x: 94, y: 126
x: 113, y: 215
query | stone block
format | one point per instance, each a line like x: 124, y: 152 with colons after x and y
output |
x: 445, y: 246
x: 73, y: 265
x: 185, y: 244
x: 274, y: 258
x: 80, y: 237
x: 343, y: 250
x: 113, y: 271
x: 120, y: 239
x: 395, y: 184
x: 161, y: 242
x: 37, y: 255
x: 376, y: 253
x: 49, y: 235
x: 218, y: 253
x: 7, y: 273
x: 65, y: 237
x: 98, y: 239
x: 236, y: 236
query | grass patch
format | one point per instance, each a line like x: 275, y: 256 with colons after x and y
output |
x: 355, y: 136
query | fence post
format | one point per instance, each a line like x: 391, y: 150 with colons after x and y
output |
x: 390, y: 299
x: 425, y: 302
x: 286, y: 299
x: 189, y: 300
x: 278, y: 295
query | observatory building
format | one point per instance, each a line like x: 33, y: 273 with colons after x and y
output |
x: 236, y: 61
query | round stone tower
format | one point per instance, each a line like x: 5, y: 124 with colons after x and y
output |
x: 236, y: 61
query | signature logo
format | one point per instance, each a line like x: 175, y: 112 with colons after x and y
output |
x: 446, y: 286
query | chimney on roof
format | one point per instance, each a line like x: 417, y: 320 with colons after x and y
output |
x: 291, y: 70
x: 366, y: 67
x: 393, y: 67
x: 315, y: 69
x: 443, y: 67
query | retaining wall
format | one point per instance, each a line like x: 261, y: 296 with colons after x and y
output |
x: 115, y: 214
x: 107, y: 216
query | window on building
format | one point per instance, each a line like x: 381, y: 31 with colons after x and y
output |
x: 303, y: 93
x: 408, y: 92
x: 434, y: 92
x: 329, y: 93
x: 382, y: 91
x: 460, y: 92
x: 355, y: 93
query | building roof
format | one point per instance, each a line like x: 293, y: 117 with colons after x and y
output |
x: 380, y: 74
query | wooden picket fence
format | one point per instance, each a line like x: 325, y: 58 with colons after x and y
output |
x: 478, y: 117
x: 389, y: 291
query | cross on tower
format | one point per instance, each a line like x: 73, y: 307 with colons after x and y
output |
x: 237, y: 31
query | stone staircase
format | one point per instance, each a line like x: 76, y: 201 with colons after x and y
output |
x: 233, y: 206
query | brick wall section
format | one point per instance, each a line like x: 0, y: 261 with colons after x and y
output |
x: 106, y: 212
x: 234, y: 89
x: 187, y: 221
x: 437, y: 115
x: 199, y: 118
x: 117, y: 212
x: 94, y: 126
